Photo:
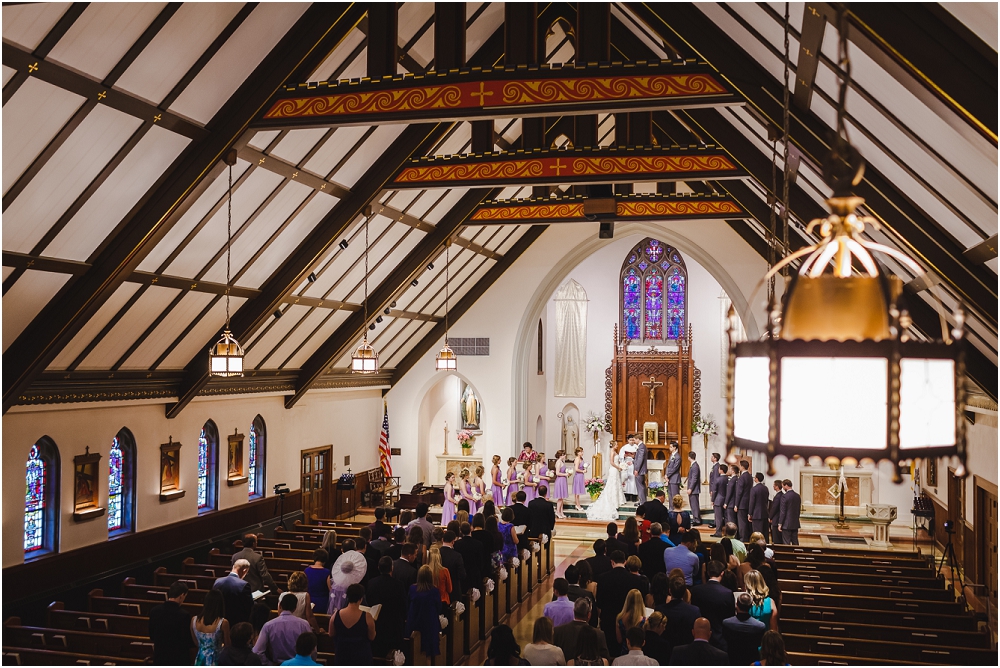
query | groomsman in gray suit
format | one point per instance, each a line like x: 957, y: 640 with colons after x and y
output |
x: 713, y: 483
x: 673, y: 473
x: 639, y: 467
x: 694, y: 488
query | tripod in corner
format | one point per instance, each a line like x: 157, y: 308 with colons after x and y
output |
x: 948, y: 555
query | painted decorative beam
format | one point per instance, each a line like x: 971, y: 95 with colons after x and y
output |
x: 573, y: 166
x: 629, y: 208
x: 524, y: 91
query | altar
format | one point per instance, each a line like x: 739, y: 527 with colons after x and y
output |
x: 455, y: 463
x: 816, y: 483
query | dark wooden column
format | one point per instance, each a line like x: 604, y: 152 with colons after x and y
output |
x: 449, y: 35
x: 383, y: 28
x: 521, y: 48
x: 593, y: 44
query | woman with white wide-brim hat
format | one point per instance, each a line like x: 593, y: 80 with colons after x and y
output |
x: 350, y: 568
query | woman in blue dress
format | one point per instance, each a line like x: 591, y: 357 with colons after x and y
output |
x: 423, y: 615
x: 506, y: 529
x: 210, y: 630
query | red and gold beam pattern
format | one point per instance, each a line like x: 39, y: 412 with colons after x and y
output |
x: 569, y: 167
x: 501, y: 93
x: 629, y: 208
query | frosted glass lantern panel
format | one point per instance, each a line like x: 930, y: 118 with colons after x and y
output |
x: 926, y: 403
x: 834, y: 402
x: 750, y: 399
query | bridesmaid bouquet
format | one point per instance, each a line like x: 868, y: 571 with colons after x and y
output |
x: 477, y: 496
x: 520, y: 478
x: 504, y: 482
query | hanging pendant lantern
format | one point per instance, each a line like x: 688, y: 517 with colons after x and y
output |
x: 225, y: 358
x: 446, y: 359
x: 365, y: 358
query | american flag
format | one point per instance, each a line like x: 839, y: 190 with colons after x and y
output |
x: 384, y: 455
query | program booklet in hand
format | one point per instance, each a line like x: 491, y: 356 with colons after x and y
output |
x: 374, y: 610
x: 260, y: 594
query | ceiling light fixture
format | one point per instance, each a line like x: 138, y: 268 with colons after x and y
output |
x: 365, y: 359
x: 225, y: 358
x: 446, y: 359
x: 837, y: 374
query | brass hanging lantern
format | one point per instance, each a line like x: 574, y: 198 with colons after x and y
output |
x: 446, y: 359
x: 225, y: 358
x: 365, y: 358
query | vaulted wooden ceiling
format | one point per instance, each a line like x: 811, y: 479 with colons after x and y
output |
x: 117, y: 117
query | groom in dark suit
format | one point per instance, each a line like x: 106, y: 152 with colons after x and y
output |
x: 639, y: 466
x: 673, y: 473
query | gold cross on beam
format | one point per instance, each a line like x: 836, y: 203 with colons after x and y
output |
x: 482, y: 94
x: 559, y: 167
x: 652, y: 384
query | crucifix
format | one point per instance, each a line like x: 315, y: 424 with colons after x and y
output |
x: 652, y: 384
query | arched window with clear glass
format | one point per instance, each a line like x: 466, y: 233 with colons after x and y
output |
x: 208, y: 468
x: 258, y: 443
x: 653, y: 290
x: 121, y: 484
x: 41, y: 499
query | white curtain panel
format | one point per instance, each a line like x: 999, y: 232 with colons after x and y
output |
x: 571, y: 340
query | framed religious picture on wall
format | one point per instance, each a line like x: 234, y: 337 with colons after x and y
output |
x: 85, y: 485
x: 235, y: 474
x: 170, y: 471
x: 932, y: 480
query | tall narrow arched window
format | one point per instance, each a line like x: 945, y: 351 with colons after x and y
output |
x: 41, y: 499
x: 258, y: 443
x: 208, y: 467
x: 653, y: 289
x: 121, y: 484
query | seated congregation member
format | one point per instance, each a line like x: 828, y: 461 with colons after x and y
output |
x: 657, y: 645
x: 298, y: 585
x: 634, y: 566
x: 656, y: 508
x: 276, y: 642
x: 520, y: 514
x: 503, y: 649
x: 772, y: 650
x: 395, y: 549
x: 426, y: 528
x: 588, y: 650
x: 390, y: 593
x: 353, y: 630
x: 633, y: 615
x: 236, y: 593
x: 630, y: 537
x: 508, y: 533
x: 560, y: 610
x: 260, y: 614
x: 644, y: 524
x: 567, y: 636
x: 699, y: 652
x: 540, y: 651
x: 743, y: 633
x: 683, y: 557
x: 170, y: 629
x: 379, y: 527
x: 333, y: 552
x: 715, y: 601
x: 635, y: 639
x: 305, y: 648
x: 471, y: 551
x: 403, y: 569
x: 541, y: 515
x: 318, y: 575
x: 239, y: 652
x: 680, y: 614
x: 454, y: 562
x: 600, y: 563
x: 613, y: 541
x: 763, y: 607
x: 441, y: 575
x: 576, y: 588
x: 424, y: 611
x: 651, y: 552
x: 678, y: 519
x: 257, y: 575
x: 612, y: 589
x: 757, y: 562
x: 371, y: 556
x: 739, y: 548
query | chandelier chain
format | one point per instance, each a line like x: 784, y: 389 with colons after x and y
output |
x: 785, y: 134
x: 447, y: 276
x: 843, y: 73
x: 365, y: 305
x: 229, y: 240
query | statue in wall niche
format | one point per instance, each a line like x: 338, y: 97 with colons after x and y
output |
x: 470, y: 409
x: 570, y: 433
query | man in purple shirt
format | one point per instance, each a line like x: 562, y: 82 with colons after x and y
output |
x: 683, y: 556
x: 278, y: 636
x: 560, y: 611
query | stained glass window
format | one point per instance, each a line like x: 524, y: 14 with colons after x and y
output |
x: 208, y: 467
x: 654, y: 293
x: 202, y: 470
x: 257, y: 442
x: 34, y: 502
x: 116, y: 510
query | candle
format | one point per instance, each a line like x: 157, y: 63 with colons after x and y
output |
x: 636, y: 428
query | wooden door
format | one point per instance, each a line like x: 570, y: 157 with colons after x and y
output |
x: 986, y: 529
x: 316, y: 492
x: 956, y: 513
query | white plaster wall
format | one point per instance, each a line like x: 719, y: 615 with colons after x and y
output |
x: 350, y: 421
x: 982, y: 448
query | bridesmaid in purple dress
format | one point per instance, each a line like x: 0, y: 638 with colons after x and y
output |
x: 529, y: 483
x: 465, y: 489
x: 543, y: 478
x: 512, y: 487
x: 578, y: 478
x: 496, y: 482
x: 479, y: 488
x: 448, y: 508
x: 561, y: 484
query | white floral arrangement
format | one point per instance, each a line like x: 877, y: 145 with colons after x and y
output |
x: 398, y: 658
x: 535, y: 547
x: 444, y: 622
x: 459, y: 608
x: 520, y: 477
x: 477, y: 496
x: 545, y: 539
x: 525, y: 555
x: 503, y: 574
x: 515, y: 562
x: 594, y: 422
x: 504, y: 482
x: 475, y: 594
x: 705, y: 425
x: 490, y: 585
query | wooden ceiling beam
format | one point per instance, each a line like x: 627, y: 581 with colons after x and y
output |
x: 48, y: 42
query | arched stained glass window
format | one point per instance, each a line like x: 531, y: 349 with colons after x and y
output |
x: 208, y: 449
x: 257, y: 441
x: 654, y: 293
x: 41, y: 499
x: 121, y: 484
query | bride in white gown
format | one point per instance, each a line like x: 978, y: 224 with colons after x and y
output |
x: 612, y: 496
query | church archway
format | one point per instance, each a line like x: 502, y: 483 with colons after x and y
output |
x: 438, y: 401
x: 557, y: 276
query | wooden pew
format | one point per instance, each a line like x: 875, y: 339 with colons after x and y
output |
x: 60, y: 618
x: 859, y: 578
x: 29, y: 656
x: 79, y: 642
x: 828, y: 601
x: 896, y: 651
x: 885, y: 591
x: 832, y: 567
x: 817, y: 659
x: 828, y: 551
x: 98, y: 602
x: 926, y: 620
x: 915, y: 636
x: 162, y: 578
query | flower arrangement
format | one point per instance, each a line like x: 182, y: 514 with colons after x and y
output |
x: 459, y: 608
x: 503, y: 574
x: 490, y: 585
x: 398, y: 658
x: 545, y: 539
x: 444, y: 622
x: 525, y: 554
x: 653, y: 486
x: 705, y: 425
x: 535, y: 547
x: 594, y: 423
x: 475, y: 594
x: 465, y: 438
x: 594, y: 486
x: 515, y: 562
